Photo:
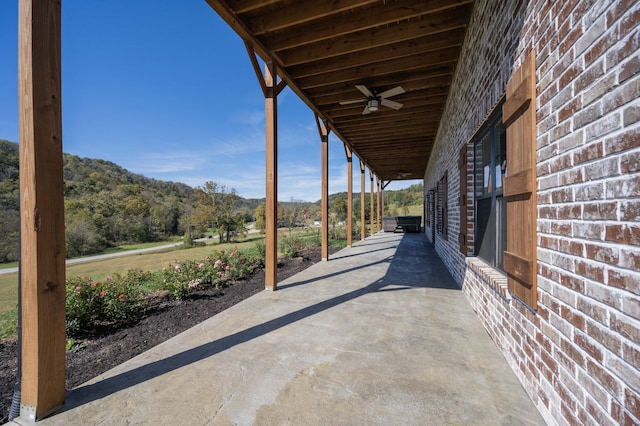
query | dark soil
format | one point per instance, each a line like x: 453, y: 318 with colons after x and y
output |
x: 94, y: 355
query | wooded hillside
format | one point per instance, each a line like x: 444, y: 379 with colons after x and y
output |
x: 107, y: 205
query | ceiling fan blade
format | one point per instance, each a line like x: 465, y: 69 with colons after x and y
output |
x: 364, y: 90
x: 391, y: 92
x: 366, y: 111
x: 355, y: 101
x: 391, y: 104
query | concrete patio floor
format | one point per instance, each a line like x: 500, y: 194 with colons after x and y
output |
x: 379, y: 335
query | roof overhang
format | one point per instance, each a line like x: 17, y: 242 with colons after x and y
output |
x: 323, y: 49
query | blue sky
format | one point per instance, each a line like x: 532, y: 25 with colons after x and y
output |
x: 167, y: 90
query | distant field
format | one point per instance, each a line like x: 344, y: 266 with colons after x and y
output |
x: 416, y: 210
x: 100, y: 269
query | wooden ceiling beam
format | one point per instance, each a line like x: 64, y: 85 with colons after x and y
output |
x: 372, y: 17
x: 384, y: 121
x: 371, y: 38
x: 393, y: 51
x: 381, y: 130
x: 307, y: 11
x: 427, y: 62
x: 242, y: 6
x: 399, y: 142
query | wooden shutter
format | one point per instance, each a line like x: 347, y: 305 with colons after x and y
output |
x: 445, y: 204
x: 519, y: 114
x: 462, y: 167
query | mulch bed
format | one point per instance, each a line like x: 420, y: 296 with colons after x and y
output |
x: 98, y: 353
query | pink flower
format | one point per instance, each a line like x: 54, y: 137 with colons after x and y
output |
x: 200, y: 265
x: 121, y: 296
x: 226, y: 268
x: 96, y: 284
x: 217, y: 264
x: 102, y: 292
x: 78, y: 288
x: 207, y: 259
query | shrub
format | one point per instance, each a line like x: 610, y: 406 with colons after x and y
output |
x: 292, y: 246
x: 180, y: 279
x: 261, y: 249
x: 116, y: 300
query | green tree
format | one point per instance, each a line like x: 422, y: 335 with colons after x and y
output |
x: 216, y: 207
x: 339, y: 207
x: 260, y: 214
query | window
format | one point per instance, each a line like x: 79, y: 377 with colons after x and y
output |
x: 443, y: 206
x: 490, y: 167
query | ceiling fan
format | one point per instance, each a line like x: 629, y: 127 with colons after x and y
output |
x: 374, y: 100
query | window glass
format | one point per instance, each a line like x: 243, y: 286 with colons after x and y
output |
x: 490, y: 165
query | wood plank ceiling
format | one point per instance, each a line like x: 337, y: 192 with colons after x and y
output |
x: 324, y: 48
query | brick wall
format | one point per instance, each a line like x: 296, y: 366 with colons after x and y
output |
x: 578, y: 356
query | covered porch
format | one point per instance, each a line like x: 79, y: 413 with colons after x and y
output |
x: 379, y: 335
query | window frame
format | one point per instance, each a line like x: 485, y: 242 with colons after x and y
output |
x: 495, y: 130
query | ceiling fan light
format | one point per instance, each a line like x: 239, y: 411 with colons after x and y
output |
x: 373, y: 105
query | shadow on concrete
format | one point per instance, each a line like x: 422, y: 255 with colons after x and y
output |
x: 414, y: 264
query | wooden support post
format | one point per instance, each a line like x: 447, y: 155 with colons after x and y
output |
x: 271, y: 201
x: 323, y: 130
x: 363, y: 227
x: 379, y: 222
x: 349, y: 194
x: 42, y: 209
x: 270, y: 88
x: 382, y: 203
x: 372, y: 211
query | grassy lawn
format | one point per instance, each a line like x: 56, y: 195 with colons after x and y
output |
x: 154, y: 261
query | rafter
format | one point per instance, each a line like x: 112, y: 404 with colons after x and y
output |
x: 371, y: 38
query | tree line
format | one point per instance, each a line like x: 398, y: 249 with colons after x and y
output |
x: 107, y: 205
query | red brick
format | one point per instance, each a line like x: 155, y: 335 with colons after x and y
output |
x: 621, y: 95
x: 631, y: 354
x: 549, y: 362
x: 562, y: 228
x: 626, y: 327
x: 597, y: 412
x: 572, y: 282
x: 588, y: 77
x: 624, y: 281
x: 571, y: 247
x: 569, y: 212
x: 563, y: 195
x: 630, y: 210
x: 588, y: 153
x: 628, y: 140
x: 601, y: 253
x: 600, y: 211
x: 621, y: 51
x: 630, y: 22
x: 603, y: 377
x: 630, y: 163
x: 629, y: 69
x: 596, y: 51
x: 589, y: 347
x: 632, y: 402
x: 626, y: 187
x: 605, y: 337
x: 618, y: 9
x: 631, y: 114
x: 588, y: 230
x: 590, y: 270
x: 630, y: 259
x: 572, y: 352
